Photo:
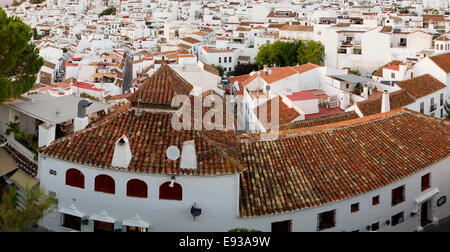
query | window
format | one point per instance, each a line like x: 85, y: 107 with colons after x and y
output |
x: 432, y: 105
x: 75, y: 178
x: 376, y: 200
x: 398, y: 195
x: 72, y: 222
x: 327, y: 220
x: 224, y: 59
x: 441, y: 99
x: 137, y: 188
x: 136, y: 229
x: 396, y: 219
x: 425, y: 183
x: 354, y: 208
x: 100, y: 226
x: 282, y: 226
x: 105, y: 184
x: 422, y: 105
x: 220, y: 60
x: 166, y: 192
x: 393, y: 75
x: 229, y: 59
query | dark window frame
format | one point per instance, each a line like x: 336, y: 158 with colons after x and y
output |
x: 75, y: 178
x: 105, y: 184
x: 171, y: 193
x: 324, y: 220
x: 137, y: 188
x: 354, y: 208
x: 398, y: 195
x: 375, y: 200
x: 425, y: 182
x: 281, y: 226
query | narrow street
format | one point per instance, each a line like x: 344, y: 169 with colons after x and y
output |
x: 443, y: 226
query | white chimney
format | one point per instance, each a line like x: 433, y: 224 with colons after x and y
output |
x: 366, y: 92
x: 82, y: 121
x: 385, y: 103
x: 46, y: 134
x: 122, y: 153
x: 188, y: 156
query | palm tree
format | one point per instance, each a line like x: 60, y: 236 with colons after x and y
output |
x: 17, y: 219
x: 447, y: 110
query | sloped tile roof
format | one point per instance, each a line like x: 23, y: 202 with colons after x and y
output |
x: 421, y: 86
x: 324, y: 120
x: 397, y: 99
x: 286, y: 114
x: 314, y: 166
x: 442, y: 61
x: 161, y: 88
x: 149, y: 134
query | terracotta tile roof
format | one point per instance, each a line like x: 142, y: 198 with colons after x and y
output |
x: 397, y: 99
x: 314, y: 166
x: 286, y: 114
x: 442, y: 61
x: 45, y: 78
x: 212, y: 50
x: 304, y: 68
x: 160, y: 88
x: 324, y: 120
x: 191, y: 40
x: 379, y: 72
x: 421, y: 86
x: 49, y: 65
x: 149, y: 134
x: 386, y: 29
x: 297, y: 28
x: 210, y: 69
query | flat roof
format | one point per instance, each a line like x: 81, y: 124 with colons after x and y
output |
x: 51, y: 109
x: 351, y: 78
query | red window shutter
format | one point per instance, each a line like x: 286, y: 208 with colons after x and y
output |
x: 171, y: 193
x: 75, y: 178
x: 137, y: 188
x: 105, y: 184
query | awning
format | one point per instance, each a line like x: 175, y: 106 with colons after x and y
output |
x: 103, y: 216
x: 135, y: 222
x: 23, y: 180
x: 7, y: 163
x: 72, y: 211
x: 426, y: 196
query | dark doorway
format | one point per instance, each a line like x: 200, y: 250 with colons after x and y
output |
x: 100, y: 226
x: 282, y: 226
x: 424, y: 220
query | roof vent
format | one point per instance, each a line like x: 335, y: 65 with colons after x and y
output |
x: 188, y: 156
x: 82, y: 105
x: 122, y: 153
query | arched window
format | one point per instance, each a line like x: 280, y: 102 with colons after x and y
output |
x: 74, y: 178
x: 105, y: 184
x: 170, y: 193
x: 137, y: 188
x: 442, y: 47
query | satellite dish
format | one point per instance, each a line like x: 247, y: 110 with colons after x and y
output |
x: 173, y: 153
x: 267, y: 87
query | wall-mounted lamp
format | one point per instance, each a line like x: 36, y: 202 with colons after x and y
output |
x: 196, y: 211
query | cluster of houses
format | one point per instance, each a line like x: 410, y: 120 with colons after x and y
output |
x: 361, y: 142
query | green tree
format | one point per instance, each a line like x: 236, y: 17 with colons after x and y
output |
x: 447, y: 109
x: 263, y: 56
x: 109, y: 11
x: 14, y: 219
x: 15, y: 3
x: 311, y: 51
x: 220, y: 69
x: 19, y: 59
